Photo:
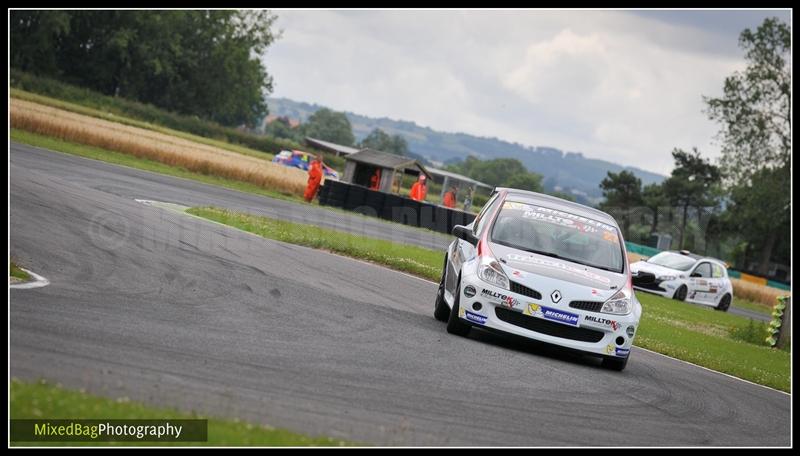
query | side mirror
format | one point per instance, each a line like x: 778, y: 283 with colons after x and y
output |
x: 696, y: 274
x: 465, y: 234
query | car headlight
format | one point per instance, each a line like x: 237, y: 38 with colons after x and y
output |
x: 619, y: 304
x: 667, y: 278
x: 490, y: 271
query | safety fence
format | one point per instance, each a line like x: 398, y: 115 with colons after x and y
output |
x: 391, y: 207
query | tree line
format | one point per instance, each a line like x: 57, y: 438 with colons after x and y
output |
x: 201, y: 63
x: 333, y: 126
x: 738, y: 208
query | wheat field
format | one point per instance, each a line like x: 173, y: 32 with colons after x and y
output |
x: 152, y: 145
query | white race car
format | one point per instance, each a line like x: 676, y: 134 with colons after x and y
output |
x: 543, y: 268
x: 687, y: 277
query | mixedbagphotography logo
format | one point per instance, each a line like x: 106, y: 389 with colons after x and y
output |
x: 109, y: 430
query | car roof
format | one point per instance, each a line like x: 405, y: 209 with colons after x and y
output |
x: 698, y: 258
x: 554, y: 202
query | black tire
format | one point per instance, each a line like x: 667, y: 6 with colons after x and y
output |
x: 724, y: 303
x: 617, y: 364
x: 680, y: 293
x: 454, y: 324
x: 441, y: 311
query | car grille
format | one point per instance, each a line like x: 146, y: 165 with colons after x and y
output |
x: 547, y: 327
x: 523, y: 290
x: 591, y: 306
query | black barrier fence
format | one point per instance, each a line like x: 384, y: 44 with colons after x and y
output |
x: 392, y: 207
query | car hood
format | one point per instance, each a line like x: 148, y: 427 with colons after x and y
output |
x: 643, y: 266
x: 530, y: 268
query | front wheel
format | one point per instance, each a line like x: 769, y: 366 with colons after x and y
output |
x: 680, y: 293
x: 617, y: 364
x: 724, y: 303
x: 454, y: 323
x: 441, y: 311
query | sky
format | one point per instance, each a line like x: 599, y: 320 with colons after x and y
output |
x: 623, y: 86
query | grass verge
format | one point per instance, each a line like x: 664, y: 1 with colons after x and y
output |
x: 32, y: 400
x: 17, y: 272
x: 717, y: 340
x: 419, y: 261
x: 752, y: 306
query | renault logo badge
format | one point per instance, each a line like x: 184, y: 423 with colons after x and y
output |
x: 555, y: 296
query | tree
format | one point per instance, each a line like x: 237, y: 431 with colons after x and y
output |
x: 495, y: 172
x: 380, y: 140
x: 623, y: 193
x: 759, y: 213
x: 34, y: 34
x: 692, y: 184
x: 525, y: 181
x: 562, y: 195
x: 203, y: 63
x: 281, y: 128
x: 500, y: 172
x: 654, y: 199
x: 329, y: 125
x: 755, y: 116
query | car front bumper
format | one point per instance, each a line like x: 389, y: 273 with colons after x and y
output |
x: 497, y: 309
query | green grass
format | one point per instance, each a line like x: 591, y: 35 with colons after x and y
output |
x: 751, y: 306
x: 711, y: 339
x: 33, y: 400
x: 717, y: 340
x: 419, y: 261
x: 17, y: 272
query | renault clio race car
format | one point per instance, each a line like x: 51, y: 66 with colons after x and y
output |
x: 687, y: 277
x: 543, y: 268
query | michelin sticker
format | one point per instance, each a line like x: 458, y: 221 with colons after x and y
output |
x: 475, y: 318
x: 559, y: 316
x: 623, y: 351
x: 548, y: 313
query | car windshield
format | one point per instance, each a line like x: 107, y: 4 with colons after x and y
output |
x: 558, y: 234
x: 672, y: 261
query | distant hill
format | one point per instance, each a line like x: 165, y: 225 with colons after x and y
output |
x: 570, y: 172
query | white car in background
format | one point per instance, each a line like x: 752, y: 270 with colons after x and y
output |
x: 687, y: 277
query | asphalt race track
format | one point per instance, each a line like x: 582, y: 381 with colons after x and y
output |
x: 174, y: 311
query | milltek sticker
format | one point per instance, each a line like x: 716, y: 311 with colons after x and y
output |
x: 559, y: 316
x: 505, y: 299
x: 602, y: 321
x: 623, y: 351
x: 473, y: 317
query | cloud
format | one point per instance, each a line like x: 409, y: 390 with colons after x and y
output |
x: 613, y: 85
